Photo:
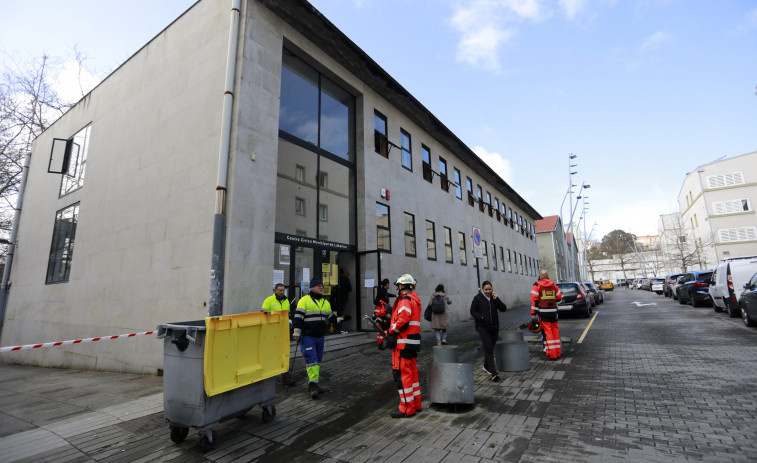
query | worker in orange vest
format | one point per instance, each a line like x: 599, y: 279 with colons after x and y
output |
x: 545, y: 295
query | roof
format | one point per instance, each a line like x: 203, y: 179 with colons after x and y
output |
x: 547, y: 224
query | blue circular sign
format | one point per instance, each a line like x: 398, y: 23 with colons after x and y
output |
x: 477, y: 237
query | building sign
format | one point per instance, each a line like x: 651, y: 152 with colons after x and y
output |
x: 312, y: 242
x: 478, y: 251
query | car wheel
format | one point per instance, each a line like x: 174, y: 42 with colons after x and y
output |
x: 745, y: 316
x: 587, y: 314
x: 716, y: 308
x: 680, y: 299
x: 694, y: 302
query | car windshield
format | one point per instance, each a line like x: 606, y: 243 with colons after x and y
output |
x: 589, y: 285
x: 705, y: 276
x: 568, y: 289
x: 657, y: 280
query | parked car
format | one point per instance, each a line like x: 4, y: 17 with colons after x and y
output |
x: 676, y: 284
x: 669, y: 281
x: 575, y: 298
x: 606, y: 285
x: 695, y: 288
x: 599, y: 294
x: 728, y: 281
x: 657, y: 285
x: 633, y: 284
x: 748, y: 302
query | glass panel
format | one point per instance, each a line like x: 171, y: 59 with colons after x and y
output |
x: 298, y: 113
x: 337, y: 112
x: 288, y: 190
x: 407, y: 156
x: 336, y: 195
x: 62, y: 247
x: 78, y: 163
x: 461, y: 245
x: 383, y: 231
x: 458, y: 186
x: 430, y: 240
x: 448, y: 244
x: 410, y: 234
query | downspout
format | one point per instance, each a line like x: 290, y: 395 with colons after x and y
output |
x: 12, y: 244
x: 217, y: 264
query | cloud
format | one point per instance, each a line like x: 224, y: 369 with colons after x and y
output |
x: 572, y: 7
x: 71, y: 83
x: 486, y: 24
x: 499, y: 164
x: 655, y: 41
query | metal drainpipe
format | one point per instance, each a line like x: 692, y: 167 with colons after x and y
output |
x: 12, y: 245
x: 217, y: 264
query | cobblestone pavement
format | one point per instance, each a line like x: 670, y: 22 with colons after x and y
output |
x: 654, y: 383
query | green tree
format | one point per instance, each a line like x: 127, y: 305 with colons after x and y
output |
x: 619, y: 243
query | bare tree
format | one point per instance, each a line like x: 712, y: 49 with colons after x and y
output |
x: 619, y: 244
x: 28, y: 105
x: 683, y: 250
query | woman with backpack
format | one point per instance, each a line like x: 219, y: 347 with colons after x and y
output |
x: 439, y: 319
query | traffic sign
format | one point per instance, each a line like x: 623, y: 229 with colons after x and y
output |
x: 478, y: 249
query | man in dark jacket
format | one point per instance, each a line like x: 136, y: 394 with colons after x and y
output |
x: 484, y: 310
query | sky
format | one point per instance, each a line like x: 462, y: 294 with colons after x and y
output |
x: 640, y: 91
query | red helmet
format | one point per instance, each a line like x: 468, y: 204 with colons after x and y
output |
x: 534, y: 326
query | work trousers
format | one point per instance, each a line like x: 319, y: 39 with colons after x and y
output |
x: 312, y: 350
x: 551, y: 339
x: 405, y: 373
x: 488, y: 339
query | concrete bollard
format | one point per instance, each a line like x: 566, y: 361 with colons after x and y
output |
x: 450, y: 383
x: 512, y: 356
x: 445, y: 354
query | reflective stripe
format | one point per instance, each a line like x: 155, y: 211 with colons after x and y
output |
x: 552, y: 347
x: 414, y: 323
x: 548, y: 310
x: 406, y: 309
x: 554, y: 341
x: 408, y: 390
x: 535, y: 293
x: 408, y: 341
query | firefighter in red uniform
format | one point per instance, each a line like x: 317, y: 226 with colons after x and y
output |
x: 381, y: 314
x: 544, y: 297
x: 404, y: 335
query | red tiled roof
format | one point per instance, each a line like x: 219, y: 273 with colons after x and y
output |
x: 569, y: 238
x: 547, y: 224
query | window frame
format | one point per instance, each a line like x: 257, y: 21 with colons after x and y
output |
x: 458, y: 185
x: 463, y: 253
x: 388, y: 228
x: 443, y: 174
x: 404, y: 134
x: 411, y: 235
x: 298, y: 200
x: 484, y: 248
x: 448, y: 253
x: 430, y: 241
x: 428, y: 174
x: 381, y: 139
x: 469, y: 186
x: 61, y: 256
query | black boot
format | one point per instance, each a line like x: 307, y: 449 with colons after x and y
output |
x: 397, y: 414
x: 313, y: 389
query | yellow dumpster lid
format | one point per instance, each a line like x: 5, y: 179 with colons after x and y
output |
x: 244, y: 348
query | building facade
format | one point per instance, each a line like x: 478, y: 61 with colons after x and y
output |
x: 717, y: 210
x: 248, y: 143
x: 553, y: 247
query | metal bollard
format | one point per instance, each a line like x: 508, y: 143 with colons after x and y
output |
x: 450, y: 383
x: 445, y: 354
x: 511, y: 336
x: 512, y: 356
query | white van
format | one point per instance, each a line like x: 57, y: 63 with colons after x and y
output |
x: 728, y: 282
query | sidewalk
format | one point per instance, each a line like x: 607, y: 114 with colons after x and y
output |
x: 68, y: 415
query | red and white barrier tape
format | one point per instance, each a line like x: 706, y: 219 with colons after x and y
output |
x: 75, y: 341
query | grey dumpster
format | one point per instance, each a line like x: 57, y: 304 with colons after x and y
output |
x: 186, y: 402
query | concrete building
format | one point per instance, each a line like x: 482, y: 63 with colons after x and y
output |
x: 553, y: 247
x: 717, y: 210
x: 250, y: 142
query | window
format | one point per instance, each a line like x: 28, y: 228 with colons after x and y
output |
x: 447, y: 245
x: 494, y: 256
x: 730, y: 207
x: 323, y: 179
x: 517, y: 222
x: 430, y: 240
x: 300, y: 233
x: 480, y: 195
x: 383, y: 228
x: 723, y: 180
x: 496, y: 208
x: 299, y: 206
x: 469, y: 185
x: 504, y: 214
x: 316, y: 110
x: 62, y: 247
x: 380, y: 140
x: 510, y: 216
x: 509, y: 261
x: 458, y: 185
x: 515, y: 256
x: 74, y: 178
x: 738, y: 234
x: 489, y: 203
x: 426, y: 154
x: 485, y: 254
x: 502, y: 257
x: 443, y: 174
x: 409, y: 235
x: 299, y: 173
x: 407, y: 152
x: 521, y: 265
x: 461, y: 245
x: 323, y: 212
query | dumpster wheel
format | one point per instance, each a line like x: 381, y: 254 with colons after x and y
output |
x: 269, y: 412
x: 179, y: 433
x: 207, y: 442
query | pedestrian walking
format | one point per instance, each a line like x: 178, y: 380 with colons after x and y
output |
x: 484, y: 308
x: 404, y: 336
x: 439, y: 319
x: 382, y: 312
x: 544, y: 297
x: 310, y: 321
x: 279, y: 302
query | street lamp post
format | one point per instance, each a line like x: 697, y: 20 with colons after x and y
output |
x: 570, y: 229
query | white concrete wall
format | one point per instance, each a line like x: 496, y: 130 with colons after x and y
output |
x: 142, y: 249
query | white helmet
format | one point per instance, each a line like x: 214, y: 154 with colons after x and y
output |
x: 405, y: 279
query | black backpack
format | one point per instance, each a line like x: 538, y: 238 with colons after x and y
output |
x: 437, y: 304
